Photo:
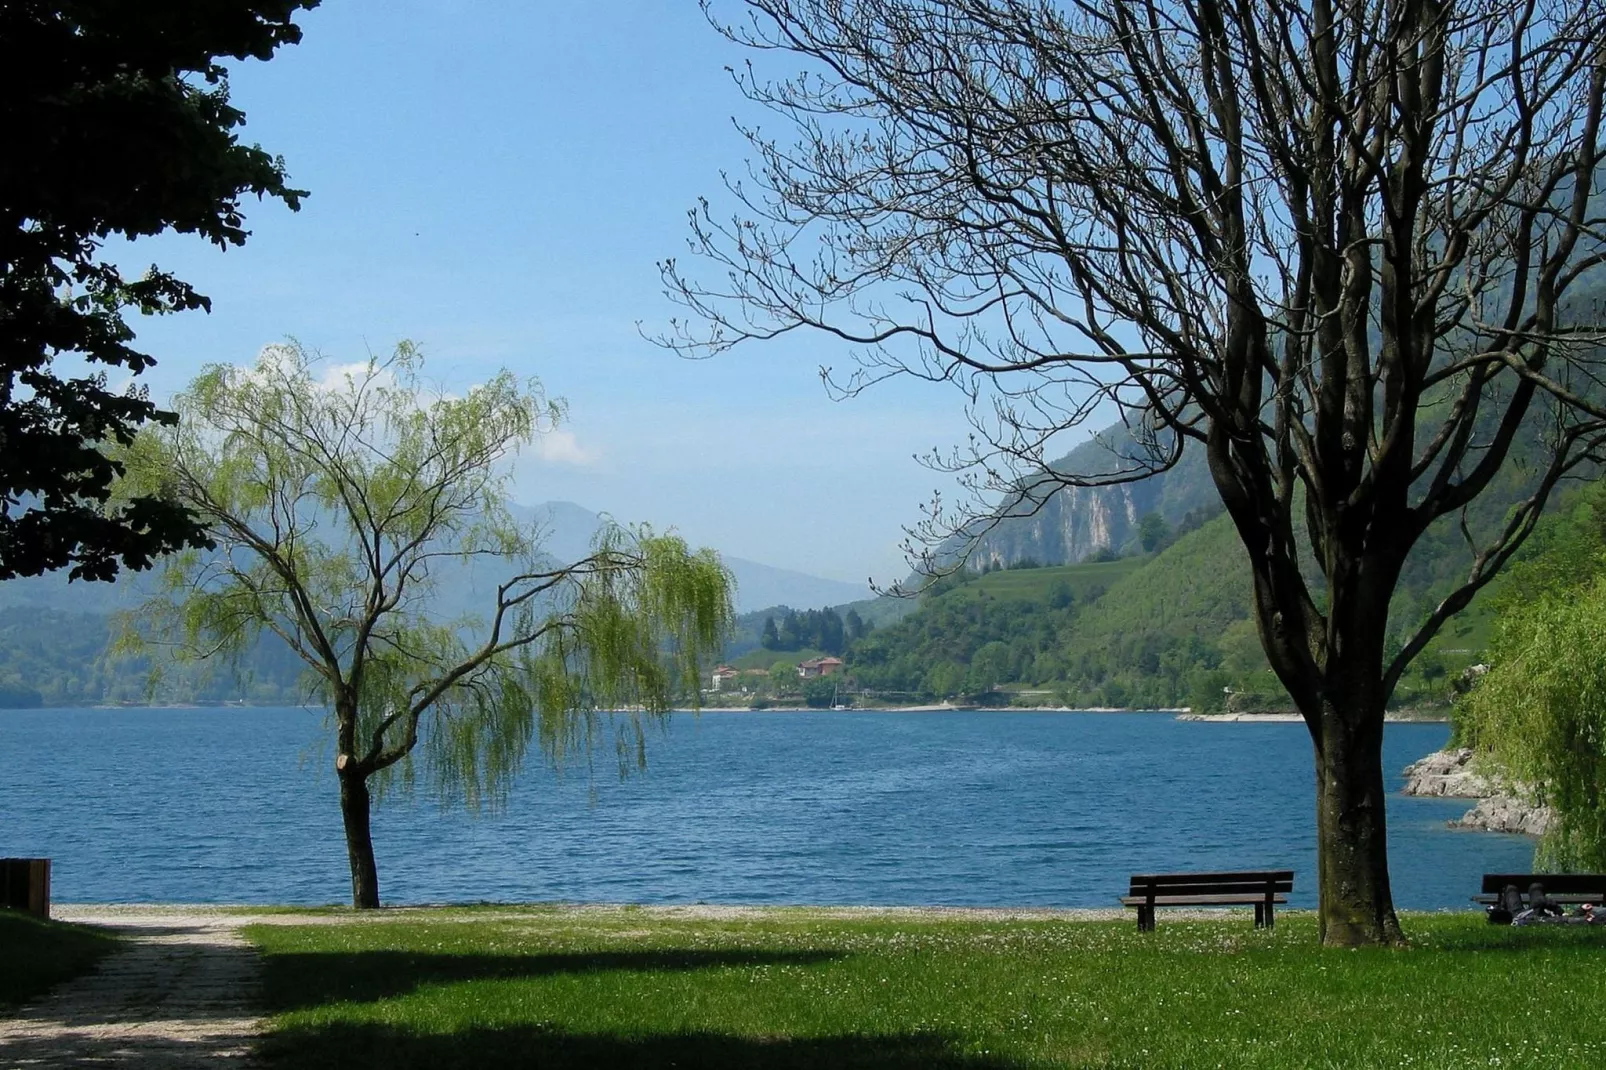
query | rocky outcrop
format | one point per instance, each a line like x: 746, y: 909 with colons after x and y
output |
x: 1501, y: 813
x: 1501, y: 807
x: 1076, y: 521
x: 1447, y: 773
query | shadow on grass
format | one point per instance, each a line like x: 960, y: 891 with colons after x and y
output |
x: 345, y: 1046
x: 305, y: 979
x: 1517, y: 938
x: 35, y: 954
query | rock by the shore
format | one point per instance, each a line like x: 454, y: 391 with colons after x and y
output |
x: 1447, y: 774
x: 1504, y: 814
x: 1500, y: 807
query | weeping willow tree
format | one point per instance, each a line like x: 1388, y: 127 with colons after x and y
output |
x: 348, y: 506
x: 1540, y: 713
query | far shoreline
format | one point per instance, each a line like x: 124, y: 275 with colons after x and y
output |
x: 936, y: 707
x: 1180, y: 713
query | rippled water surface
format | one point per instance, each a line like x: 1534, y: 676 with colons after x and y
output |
x: 917, y: 808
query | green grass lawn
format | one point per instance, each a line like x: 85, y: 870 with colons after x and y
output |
x: 806, y: 989
x: 1036, y: 584
x: 765, y: 659
x: 35, y: 954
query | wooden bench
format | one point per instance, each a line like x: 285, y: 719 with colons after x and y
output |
x: 1562, y: 887
x: 1261, y: 889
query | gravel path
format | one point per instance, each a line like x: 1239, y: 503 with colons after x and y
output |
x: 182, y: 993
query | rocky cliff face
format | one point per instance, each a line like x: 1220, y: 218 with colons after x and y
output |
x: 1074, y: 523
x: 1500, y: 807
x: 1078, y: 521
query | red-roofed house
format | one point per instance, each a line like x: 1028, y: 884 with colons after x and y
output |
x: 819, y: 667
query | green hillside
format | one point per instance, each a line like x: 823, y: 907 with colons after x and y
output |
x: 53, y: 657
x: 1173, y: 628
x: 1166, y: 629
x: 768, y: 659
x: 1086, y: 581
x: 974, y: 632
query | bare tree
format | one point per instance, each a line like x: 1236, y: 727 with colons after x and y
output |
x: 1339, y: 246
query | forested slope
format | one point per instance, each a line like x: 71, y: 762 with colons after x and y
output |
x: 53, y: 657
x: 1171, y: 628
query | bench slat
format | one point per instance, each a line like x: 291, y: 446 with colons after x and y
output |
x: 1199, y: 900
x: 1197, y: 878
x: 1560, y: 897
x: 1235, y: 888
x: 1565, y: 883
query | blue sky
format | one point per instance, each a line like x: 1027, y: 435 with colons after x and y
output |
x: 495, y: 180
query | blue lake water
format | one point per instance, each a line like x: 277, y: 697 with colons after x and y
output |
x: 983, y: 809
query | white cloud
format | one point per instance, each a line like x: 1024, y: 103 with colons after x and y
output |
x: 339, y: 376
x: 558, y: 446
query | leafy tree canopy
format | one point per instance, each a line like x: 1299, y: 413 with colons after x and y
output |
x: 341, y: 509
x: 1540, y: 712
x: 118, y: 125
x: 815, y: 629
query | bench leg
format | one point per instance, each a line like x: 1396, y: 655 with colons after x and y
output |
x: 1260, y: 915
x: 1271, y: 914
x: 1145, y: 919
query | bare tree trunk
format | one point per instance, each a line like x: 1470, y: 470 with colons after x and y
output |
x: 355, y: 811
x: 1356, y: 907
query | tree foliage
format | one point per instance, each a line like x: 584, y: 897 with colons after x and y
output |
x: 1153, y: 532
x: 1540, y: 713
x: 341, y: 505
x: 813, y: 629
x: 118, y: 125
x: 1336, y: 246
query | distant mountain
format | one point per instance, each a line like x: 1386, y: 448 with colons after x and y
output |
x: 52, y: 591
x: 759, y: 586
x: 568, y: 529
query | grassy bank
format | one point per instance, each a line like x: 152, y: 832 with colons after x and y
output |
x: 803, y: 989
x: 34, y: 954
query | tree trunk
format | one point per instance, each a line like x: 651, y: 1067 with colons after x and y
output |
x: 354, y: 810
x: 1356, y: 907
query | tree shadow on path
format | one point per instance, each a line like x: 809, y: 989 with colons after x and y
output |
x: 174, y: 996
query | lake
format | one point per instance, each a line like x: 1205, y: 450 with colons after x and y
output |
x: 973, y: 809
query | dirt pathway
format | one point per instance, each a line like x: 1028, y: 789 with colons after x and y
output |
x: 182, y: 993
